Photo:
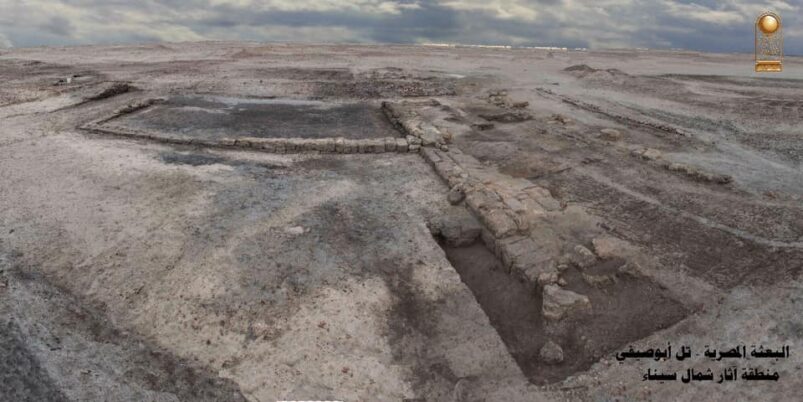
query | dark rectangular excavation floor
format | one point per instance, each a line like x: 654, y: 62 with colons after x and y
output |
x: 213, y: 117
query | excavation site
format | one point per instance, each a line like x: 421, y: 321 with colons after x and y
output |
x: 227, y: 221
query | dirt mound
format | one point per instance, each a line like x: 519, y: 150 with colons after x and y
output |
x: 580, y: 68
x: 587, y: 72
x: 117, y: 88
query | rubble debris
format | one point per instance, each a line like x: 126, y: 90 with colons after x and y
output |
x: 294, y: 230
x: 482, y: 126
x: 610, y: 134
x: 630, y: 268
x: 63, y: 81
x: 647, y: 153
x: 507, y: 117
x: 692, y: 172
x: 698, y: 174
x: 586, y: 71
x: 559, y: 118
x: 617, y: 117
x: 133, y: 107
x: 117, y: 88
x: 580, y: 69
x: 582, y: 257
x: 384, y: 84
x: 548, y: 278
x: 447, y: 136
x: 413, y: 140
x: 501, y: 99
x: 599, y: 281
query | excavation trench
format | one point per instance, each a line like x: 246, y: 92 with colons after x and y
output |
x: 624, y: 308
x: 208, y: 117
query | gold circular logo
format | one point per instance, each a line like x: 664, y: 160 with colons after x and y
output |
x: 768, y: 24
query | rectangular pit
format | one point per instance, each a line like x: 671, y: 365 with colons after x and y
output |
x: 207, y: 117
x: 625, y: 309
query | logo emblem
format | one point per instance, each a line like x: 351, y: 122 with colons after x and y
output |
x: 769, y: 42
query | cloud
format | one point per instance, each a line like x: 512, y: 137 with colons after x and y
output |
x: 5, y: 42
x: 58, y: 25
x: 503, y: 9
x: 708, y: 25
x: 704, y: 14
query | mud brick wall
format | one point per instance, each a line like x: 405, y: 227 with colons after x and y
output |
x: 417, y: 130
x: 334, y: 145
x: 508, y: 212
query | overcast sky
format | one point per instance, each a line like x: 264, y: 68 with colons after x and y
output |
x: 709, y: 25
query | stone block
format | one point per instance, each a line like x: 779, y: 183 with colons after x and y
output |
x: 551, y: 353
x: 549, y: 203
x: 582, y: 257
x: 430, y: 135
x: 532, y: 209
x: 610, y: 247
x: 599, y: 281
x: 412, y: 140
x: 349, y: 147
x: 291, y: 146
x: 240, y: 142
x: 278, y: 147
x: 328, y: 145
x: 432, y: 157
x: 401, y: 145
x: 559, y: 303
x: 480, y: 198
x: 268, y: 146
x: 377, y: 146
x: 651, y: 154
x: 534, y: 266
x: 610, y: 134
x: 456, y: 195
x: 456, y: 176
x: 515, y: 248
x: 514, y: 204
x: 460, y: 231
x: 390, y: 144
x: 490, y: 241
x: 499, y: 222
x: 537, y: 192
x: 547, y: 278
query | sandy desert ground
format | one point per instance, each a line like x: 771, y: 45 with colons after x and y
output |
x: 243, y: 221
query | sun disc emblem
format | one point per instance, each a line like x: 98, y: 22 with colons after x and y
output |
x: 768, y: 24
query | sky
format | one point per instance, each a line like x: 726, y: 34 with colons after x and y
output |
x: 705, y: 25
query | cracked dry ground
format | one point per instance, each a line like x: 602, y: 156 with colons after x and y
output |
x: 229, y: 221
